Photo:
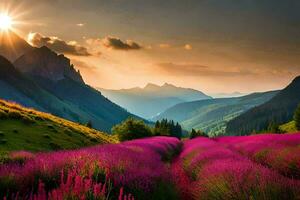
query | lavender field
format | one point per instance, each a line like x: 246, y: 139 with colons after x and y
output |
x: 251, y: 167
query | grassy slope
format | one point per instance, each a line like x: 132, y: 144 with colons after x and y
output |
x: 27, y: 129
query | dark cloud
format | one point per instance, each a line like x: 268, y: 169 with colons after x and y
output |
x: 198, y: 70
x: 58, y: 45
x: 118, y: 44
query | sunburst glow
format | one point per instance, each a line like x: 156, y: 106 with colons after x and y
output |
x: 5, y: 22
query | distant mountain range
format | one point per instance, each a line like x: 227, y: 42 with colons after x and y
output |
x: 48, y: 82
x: 153, y: 99
x: 279, y: 109
x: 212, y: 115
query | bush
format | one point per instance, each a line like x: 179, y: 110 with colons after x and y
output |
x: 131, y: 129
x: 297, y: 118
x: 198, y: 133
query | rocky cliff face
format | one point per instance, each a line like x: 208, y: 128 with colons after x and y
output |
x: 45, y: 63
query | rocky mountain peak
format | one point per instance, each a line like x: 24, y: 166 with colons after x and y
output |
x: 45, y: 63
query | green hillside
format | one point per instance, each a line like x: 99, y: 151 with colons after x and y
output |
x: 212, y: 115
x: 26, y: 129
x: 279, y: 110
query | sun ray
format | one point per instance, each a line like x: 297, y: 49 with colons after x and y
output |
x: 5, y: 22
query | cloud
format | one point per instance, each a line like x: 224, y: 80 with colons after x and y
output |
x: 58, y: 45
x: 118, y: 44
x: 199, y: 70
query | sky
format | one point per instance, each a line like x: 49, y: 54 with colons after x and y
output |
x: 210, y: 45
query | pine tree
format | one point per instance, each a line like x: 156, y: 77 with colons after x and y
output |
x: 297, y: 118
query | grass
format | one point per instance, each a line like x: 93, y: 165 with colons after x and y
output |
x: 27, y: 129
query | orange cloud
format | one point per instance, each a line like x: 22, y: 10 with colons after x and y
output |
x: 58, y: 45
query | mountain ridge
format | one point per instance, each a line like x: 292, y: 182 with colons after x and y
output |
x: 47, y: 81
x: 152, y: 99
x: 279, y: 109
x: 211, y: 115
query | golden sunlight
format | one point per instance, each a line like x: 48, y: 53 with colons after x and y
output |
x: 5, y: 22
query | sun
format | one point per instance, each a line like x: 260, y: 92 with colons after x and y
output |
x: 5, y: 22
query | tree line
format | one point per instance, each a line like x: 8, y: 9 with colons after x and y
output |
x: 131, y: 129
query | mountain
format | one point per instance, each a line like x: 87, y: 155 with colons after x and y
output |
x: 48, y: 82
x: 54, y: 74
x: 47, y: 64
x: 149, y: 101
x: 279, y: 109
x: 27, y: 129
x: 211, y: 115
x: 12, y: 46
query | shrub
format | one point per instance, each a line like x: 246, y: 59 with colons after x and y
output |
x: 131, y: 129
x: 297, y: 117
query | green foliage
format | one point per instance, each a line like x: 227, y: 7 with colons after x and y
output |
x: 297, y: 117
x: 131, y: 129
x: 198, y: 133
x: 289, y: 127
x: 167, y: 128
